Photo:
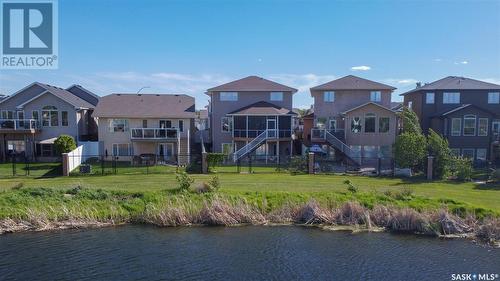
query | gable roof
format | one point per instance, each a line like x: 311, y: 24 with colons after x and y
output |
x: 460, y: 107
x: 366, y: 104
x: 252, y: 84
x: 455, y: 83
x: 83, y: 93
x: 351, y: 82
x: 262, y: 108
x: 145, y: 106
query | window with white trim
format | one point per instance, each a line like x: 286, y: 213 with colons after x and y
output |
x: 494, y: 98
x: 7, y: 114
x: 456, y: 126
x: 227, y: 124
x: 181, y: 126
x: 228, y: 96
x: 35, y: 115
x: 383, y: 124
x: 482, y: 127
x: 329, y: 96
x: 50, y: 116
x: 455, y: 151
x: 451, y: 98
x: 495, y: 127
x: 375, y: 96
x: 333, y: 125
x: 429, y: 98
x: 64, y: 118
x: 276, y: 96
x: 227, y: 148
x: 370, y: 119
x: 468, y: 153
x: 410, y: 105
x: 481, y: 154
x: 121, y: 149
x: 118, y: 125
x: 469, y: 125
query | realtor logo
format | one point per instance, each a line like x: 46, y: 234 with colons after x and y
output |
x: 29, y: 34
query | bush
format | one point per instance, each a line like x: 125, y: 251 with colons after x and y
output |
x: 215, y: 159
x: 350, y: 186
x: 184, y: 181
x: 64, y: 144
x: 410, y: 150
x: 438, y: 147
x: 214, y: 183
x: 495, y: 175
x: 462, y: 168
x: 298, y: 164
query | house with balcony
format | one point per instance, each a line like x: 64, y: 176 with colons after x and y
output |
x: 352, y: 119
x: 464, y: 110
x: 33, y: 117
x: 252, y: 116
x: 145, y: 127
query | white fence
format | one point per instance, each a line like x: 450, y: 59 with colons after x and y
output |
x: 75, y: 158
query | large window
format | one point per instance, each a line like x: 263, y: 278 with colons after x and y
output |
x: 181, y: 125
x: 50, y: 116
x: 468, y: 153
x: 121, y: 149
x: 165, y: 124
x: 227, y: 148
x: 64, y: 118
x: 370, y: 151
x: 495, y: 127
x: 370, y: 123
x: 276, y: 96
x: 375, y: 96
x: 118, y: 125
x: 356, y: 125
x: 7, y: 114
x: 451, y: 98
x: 356, y: 150
x: 228, y: 96
x: 227, y: 124
x: 482, y: 127
x: 456, y: 126
x: 383, y: 124
x: 34, y: 115
x: 494, y: 98
x: 329, y: 96
x: 481, y: 154
x: 429, y: 98
x: 469, y: 125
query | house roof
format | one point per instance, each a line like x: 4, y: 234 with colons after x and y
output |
x: 145, y: 106
x: 351, y: 82
x: 83, y: 93
x: 262, y: 108
x: 458, y: 108
x: 252, y: 84
x: 366, y: 104
x: 455, y: 83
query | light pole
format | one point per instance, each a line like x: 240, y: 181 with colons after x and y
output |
x: 142, y: 88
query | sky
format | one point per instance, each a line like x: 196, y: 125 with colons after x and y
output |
x: 120, y: 46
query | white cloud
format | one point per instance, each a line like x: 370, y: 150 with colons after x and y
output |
x: 405, y: 81
x: 491, y: 80
x: 462, y: 62
x: 360, y: 68
x: 438, y: 60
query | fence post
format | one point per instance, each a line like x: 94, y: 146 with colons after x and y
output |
x: 249, y: 164
x: 102, y: 165
x: 27, y: 165
x: 429, y: 167
x: 204, y: 163
x: 65, y: 164
x: 379, y: 164
x: 310, y: 163
x: 13, y: 165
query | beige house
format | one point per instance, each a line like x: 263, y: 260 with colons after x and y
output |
x: 134, y: 127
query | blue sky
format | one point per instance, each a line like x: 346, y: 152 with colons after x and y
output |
x: 189, y: 46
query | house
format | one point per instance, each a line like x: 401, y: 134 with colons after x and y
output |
x: 33, y: 117
x: 353, y: 118
x: 137, y: 127
x: 252, y: 116
x: 464, y: 110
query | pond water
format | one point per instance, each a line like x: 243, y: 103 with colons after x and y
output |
x: 237, y: 253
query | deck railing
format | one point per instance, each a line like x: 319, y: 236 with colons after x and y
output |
x: 154, y: 133
x: 19, y: 124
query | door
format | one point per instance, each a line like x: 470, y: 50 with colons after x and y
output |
x: 495, y: 127
x: 165, y: 151
x: 271, y: 128
x: 333, y: 125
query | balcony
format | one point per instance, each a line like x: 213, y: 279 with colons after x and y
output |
x: 154, y: 134
x: 19, y: 125
x: 254, y: 133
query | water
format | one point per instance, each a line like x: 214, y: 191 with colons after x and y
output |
x: 236, y: 253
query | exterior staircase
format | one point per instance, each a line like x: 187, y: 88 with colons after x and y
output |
x: 335, y: 142
x: 254, y: 144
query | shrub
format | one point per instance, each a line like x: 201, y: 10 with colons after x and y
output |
x: 438, y: 147
x: 64, y: 144
x: 298, y: 164
x: 495, y: 175
x: 410, y: 150
x: 214, y: 183
x: 184, y: 180
x: 462, y: 168
x: 410, y: 121
x: 350, y: 186
x: 215, y: 159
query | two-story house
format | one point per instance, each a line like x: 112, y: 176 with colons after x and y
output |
x: 145, y: 126
x: 466, y: 111
x: 352, y: 117
x: 33, y: 117
x: 253, y: 116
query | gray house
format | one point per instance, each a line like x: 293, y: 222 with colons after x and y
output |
x: 466, y: 111
x: 32, y: 118
x: 251, y: 116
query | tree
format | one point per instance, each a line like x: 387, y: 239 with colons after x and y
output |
x: 438, y: 147
x: 410, y: 121
x: 410, y: 150
x: 65, y: 144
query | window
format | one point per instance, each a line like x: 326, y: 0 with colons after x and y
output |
x: 370, y: 151
x: 20, y: 115
x: 494, y: 98
x: 410, y: 105
x: 64, y: 118
x: 276, y: 96
x: 227, y: 124
x: 144, y: 123
x: 333, y: 125
x: 495, y: 127
x: 47, y: 150
x: 329, y: 96
x: 34, y: 115
x: 481, y: 154
x: 118, y: 125
x: 165, y: 124
x: 429, y: 98
x: 261, y: 150
x: 356, y: 125
x: 455, y: 151
x: 482, y: 127
x: 227, y: 148
x: 50, y: 116
x: 228, y: 96
x: 469, y: 125
x: 121, y: 149
x: 370, y: 123
x: 468, y: 153
x: 385, y: 151
x: 451, y: 98
x: 181, y: 125
x: 375, y: 96
x: 16, y: 146
x: 356, y: 150
x: 7, y: 114
x: 456, y: 126
x: 383, y: 124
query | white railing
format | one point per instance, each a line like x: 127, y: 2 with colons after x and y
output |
x: 154, y: 133
x: 335, y: 142
x: 19, y: 124
x: 249, y: 147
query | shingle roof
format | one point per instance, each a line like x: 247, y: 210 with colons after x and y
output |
x: 83, y: 93
x: 351, y: 82
x: 458, y: 108
x: 252, y: 84
x: 145, y: 106
x: 366, y: 104
x: 262, y: 108
x: 66, y: 96
x: 456, y: 83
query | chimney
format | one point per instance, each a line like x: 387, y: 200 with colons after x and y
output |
x: 419, y: 84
